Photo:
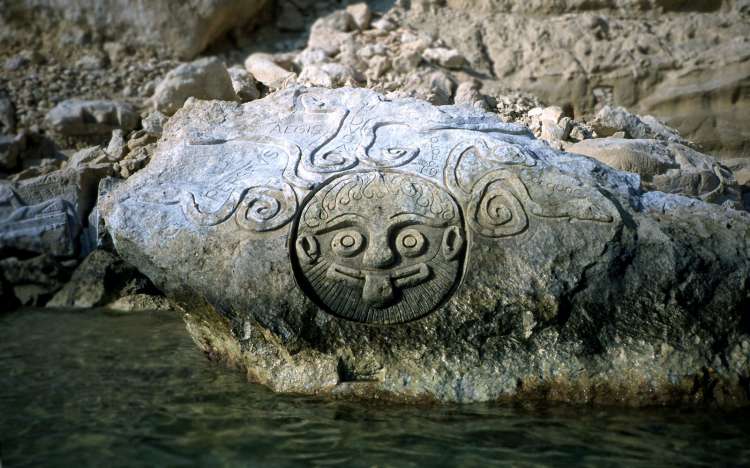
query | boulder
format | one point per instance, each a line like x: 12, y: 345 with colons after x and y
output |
x: 672, y: 167
x: 337, y: 242
x: 50, y: 225
x: 183, y: 28
x: 689, y: 68
x: 100, y: 279
x: 78, y: 117
x: 31, y: 281
x: 205, y: 78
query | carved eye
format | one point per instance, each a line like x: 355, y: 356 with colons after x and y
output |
x: 347, y: 243
x: 410, y: 242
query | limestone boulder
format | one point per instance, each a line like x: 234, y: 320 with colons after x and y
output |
x: 338, y: 242
x: 183, y: 28
x: 100, y: 279
x: 667, y: 167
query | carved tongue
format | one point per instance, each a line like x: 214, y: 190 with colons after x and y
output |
x: 378, y: 291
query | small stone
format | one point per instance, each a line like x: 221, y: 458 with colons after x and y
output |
x: 384, y: 24
x: 243, y: 84
x: 262, y: 67
x: 115, y: 51
x: 7, y: 115
x: 116, y: 147
x: 154, y: 122
x: 205, y: 78
x: 329, y: 75
x: 76, y: 117
x: 91, y: 62
x: 448, y: 58
x: 330, y: 32
x: 361, y: 15
x: 140, y: 303
x: 468, y: 93
x: 10, y: 151
x: 310, y: 56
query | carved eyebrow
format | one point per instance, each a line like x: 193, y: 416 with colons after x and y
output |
x: 416, y: 218
x: 342, y: 220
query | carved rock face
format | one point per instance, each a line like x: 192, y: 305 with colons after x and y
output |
x: 335, y: 241
x: 379, y: 247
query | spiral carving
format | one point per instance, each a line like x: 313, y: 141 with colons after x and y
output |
x: 494, y: 210
x: 266, y: 208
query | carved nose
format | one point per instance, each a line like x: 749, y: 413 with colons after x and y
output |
x: 378, y: 253
x: 378, y: 291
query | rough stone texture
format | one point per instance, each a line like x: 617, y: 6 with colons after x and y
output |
x: 243, y: 84
x: 671, y: 168
x: 140, y: 302
x: 77, y: 117
x: 7, y: 115
x: 333, y: 241
x: 205, y: 78
x: 684, y: 62
x: 262, y: 67
x: 184, y: 28
x: 100, y: 279
x: 31, y: 281
x: 47, y: 225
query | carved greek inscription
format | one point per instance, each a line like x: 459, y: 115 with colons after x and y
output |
x: 379, y: 247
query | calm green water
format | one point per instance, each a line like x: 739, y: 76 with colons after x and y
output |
x: 101, y: 389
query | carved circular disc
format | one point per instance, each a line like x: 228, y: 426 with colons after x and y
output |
x: 379, y: 246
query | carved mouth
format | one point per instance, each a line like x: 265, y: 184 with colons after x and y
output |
x: 401, y: 277
x: 379, y: 288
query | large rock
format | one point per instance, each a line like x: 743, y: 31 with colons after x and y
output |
x: 100, y: 279
x: 47, y: 226
x: 46, y: 213
x: 182, y: 27
x: 335, y: 242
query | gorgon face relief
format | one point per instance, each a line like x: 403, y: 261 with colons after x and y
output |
x: 379, y: 247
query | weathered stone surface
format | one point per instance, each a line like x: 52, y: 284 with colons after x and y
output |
x: 682, y: 61
x: 205, y: 78
x: 100, y: 279
x: 671, y: 168
x: 334, y: 241
x: 182, y: 27
x: 7, y: 115
x: 10, y: 150
x: 262, y: 67
x: 243, y: 84
x: 140, y: 302
x: 77, y: 117
x: 31, y: 281
x: 48, y: 226
x: 448, y: 58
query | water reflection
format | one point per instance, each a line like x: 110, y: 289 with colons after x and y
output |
x: 97, y: 388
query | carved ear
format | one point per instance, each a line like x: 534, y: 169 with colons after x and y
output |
x: 453, y: 243
x: 307, y: 249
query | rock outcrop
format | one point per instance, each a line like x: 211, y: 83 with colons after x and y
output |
x: 183, y: 28
x: 685, y: 62
x: 337, y: 242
